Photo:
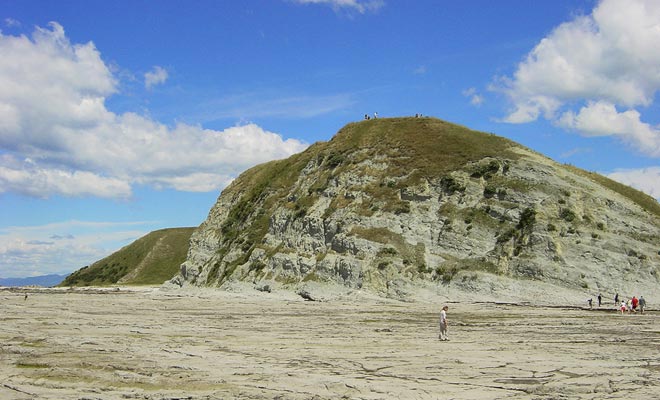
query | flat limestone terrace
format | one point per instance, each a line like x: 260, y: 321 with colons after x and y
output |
x: 204, y: 344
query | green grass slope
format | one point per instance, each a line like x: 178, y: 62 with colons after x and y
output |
x: 414, y: 147
x: 152, y: 259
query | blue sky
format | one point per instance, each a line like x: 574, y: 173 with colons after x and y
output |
x: 119, y: 118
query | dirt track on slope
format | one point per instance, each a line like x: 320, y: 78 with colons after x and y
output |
x: 150, y: 344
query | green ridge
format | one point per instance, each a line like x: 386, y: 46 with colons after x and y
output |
x: 158, y: 254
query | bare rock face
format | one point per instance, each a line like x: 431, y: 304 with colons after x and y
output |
x: 391, y: 205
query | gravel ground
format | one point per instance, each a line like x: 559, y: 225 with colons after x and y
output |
x: 155, y: 344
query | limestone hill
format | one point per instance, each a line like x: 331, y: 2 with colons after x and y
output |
x: 392, y: 205
x: 152, y: 259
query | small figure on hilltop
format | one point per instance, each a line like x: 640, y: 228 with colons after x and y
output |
x: 616, y: 299
x: 375, y: 115
x: 366, y: 117
x: 26, y: 296
x: 443, y: 323
x: 590, y: 301
x: 642, y: 304
x: 635, y: 302
x: 629, y: 305
x: 600, y: 300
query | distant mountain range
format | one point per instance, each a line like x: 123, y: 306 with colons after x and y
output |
x: 43, y: 280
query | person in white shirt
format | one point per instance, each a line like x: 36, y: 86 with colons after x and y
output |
x: 443, y: 323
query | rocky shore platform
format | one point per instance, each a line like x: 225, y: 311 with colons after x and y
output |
x: 151, y: 343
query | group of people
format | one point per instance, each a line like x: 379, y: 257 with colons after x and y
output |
x: 368, y: 117
x: 631, y: 305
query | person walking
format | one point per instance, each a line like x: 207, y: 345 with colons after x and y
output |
x: 600, y: 300
x: 616, y: 299
x: 642, y: 304
x: 443, y: 323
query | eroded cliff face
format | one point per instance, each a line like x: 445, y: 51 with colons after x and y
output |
x: 398, y: 203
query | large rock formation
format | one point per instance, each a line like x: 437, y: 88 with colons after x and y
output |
x: 393, y: 204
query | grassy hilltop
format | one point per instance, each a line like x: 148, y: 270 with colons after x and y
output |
x: 152, y: 259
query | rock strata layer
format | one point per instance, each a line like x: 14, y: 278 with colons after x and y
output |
x: 396, y: 205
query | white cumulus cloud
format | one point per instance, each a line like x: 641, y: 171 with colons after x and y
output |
x: 476, y: 99
x: 58, y: 138
x: 32, y: 180
x: 607, y: 60
x: 644, y: 179
x: 156, y: 76
x: 63, y: 247
x: 10, y: 22
x: 602, y: 119
x: 361, y: 6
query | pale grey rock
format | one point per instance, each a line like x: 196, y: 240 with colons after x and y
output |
x: 263, y: 287
x: 460, y: 231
